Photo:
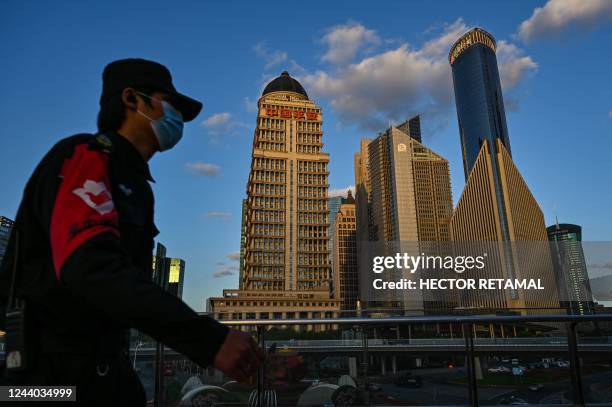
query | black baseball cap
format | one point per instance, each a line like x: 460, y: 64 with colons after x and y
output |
x: 136, y: 72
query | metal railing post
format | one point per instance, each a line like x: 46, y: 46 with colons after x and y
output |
x: 262, y: 368
x: 365, y: 364
x: 574, y: 359
x: 159, y: 375
x: 468, y: 330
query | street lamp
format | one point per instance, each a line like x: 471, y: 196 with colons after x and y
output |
x: 136, y: 351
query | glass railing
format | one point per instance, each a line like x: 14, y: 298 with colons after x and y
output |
x: 488, y: 360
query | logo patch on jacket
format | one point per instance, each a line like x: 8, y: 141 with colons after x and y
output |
x: 96, y: 196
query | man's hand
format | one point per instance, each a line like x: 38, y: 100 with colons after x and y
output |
x: 239, y: 356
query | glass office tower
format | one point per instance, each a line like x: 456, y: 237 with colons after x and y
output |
x: 570, y: 268
x: 478, y: 94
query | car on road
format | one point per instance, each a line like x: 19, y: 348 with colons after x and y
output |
x: 536, y: 387
x: 513, y: 401
x: 498, y: 369
x: 410, y: 380
x: 374, y: 387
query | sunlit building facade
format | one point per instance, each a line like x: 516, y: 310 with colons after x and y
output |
x: 287, y: 258
x: 408, y: 189
x: 168, y: 272
x: 403, y: 195
x: 333, y: 203
x: 496, y: 204
x: 525, y: 255
x: 346, y: 277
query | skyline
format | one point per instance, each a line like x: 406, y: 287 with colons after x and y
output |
x: 204, y: 179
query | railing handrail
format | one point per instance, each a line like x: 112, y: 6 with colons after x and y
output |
x: 422, y: 319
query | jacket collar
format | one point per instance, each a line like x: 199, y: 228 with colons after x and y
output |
x: 129, y: 154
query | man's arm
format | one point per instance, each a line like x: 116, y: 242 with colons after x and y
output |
x: 104, y: 277
x: 89, y: 260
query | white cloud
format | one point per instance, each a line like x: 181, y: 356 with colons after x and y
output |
x: 271, y: 58
x: 221, y: 124
x: 218, y: 215
x: 234, y: 256
x: 394, y: 84
x: 513, y: 64
x: 217, y: 119
x: 224, y: 271
x: 558, y: 15
x: 604, y: 265
x: 202, y: 168
x: 610, y: 114
x: 343, y: 192
x: 344, y: 41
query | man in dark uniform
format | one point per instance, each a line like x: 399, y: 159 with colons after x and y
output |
x: 85, y: 230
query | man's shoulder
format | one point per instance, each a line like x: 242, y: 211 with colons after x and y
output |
x: 66, y: 147
x: 99, y: 142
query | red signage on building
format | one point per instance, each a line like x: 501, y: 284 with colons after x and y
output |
x: 288, y: 114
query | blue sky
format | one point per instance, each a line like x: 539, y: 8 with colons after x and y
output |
x: 365, y: 63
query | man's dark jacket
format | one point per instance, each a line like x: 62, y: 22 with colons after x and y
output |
x: 85, y: 255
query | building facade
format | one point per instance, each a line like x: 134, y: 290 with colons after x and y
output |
x: 242, y: 244
x: 478, y: 94
x: 496, y: 204
x: 287, y: 217
x: 333, y: 203
x: 525, y: 255
x: 168, y: 272
x: 408, y: 189
x: 6, y: 225
x: 176, y: 276
x: 480, y: 108
x: 404, y: 196
x: 345, y: 269
x: 570, y: 266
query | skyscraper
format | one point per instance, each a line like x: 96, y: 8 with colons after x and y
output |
x: 333, y: 203
x: 176, y: 276
x: 407, y: 187
x: 496, y: 204
x: 570, y: 268
x: 346, y: 278
x: 363, y: 194
x: 6, y: 225
x: 412, y: 127
x: 286, y: 262
x: 478, y: 94
x: 403, y: 195
x: 476, y: 219
x: 168, y: 272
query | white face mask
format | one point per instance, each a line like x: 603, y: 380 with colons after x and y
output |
x: 168, y: 129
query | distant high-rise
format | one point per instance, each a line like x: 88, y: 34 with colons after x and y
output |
x: 478, y: 94
x: 412, y: 127
x: 363, y: 193
x: 333, y: 203
x: 286, y: 264
x: 168, y: 272
x: 570, y: 268
x: 6, y: 225
x: 176, y: 276
x: 345, y: 271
